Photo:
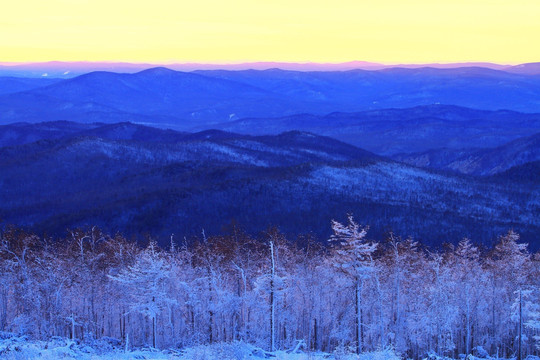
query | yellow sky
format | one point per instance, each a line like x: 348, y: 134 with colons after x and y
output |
x: 223, y: 31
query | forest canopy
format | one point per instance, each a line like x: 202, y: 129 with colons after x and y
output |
x: 271, y: 292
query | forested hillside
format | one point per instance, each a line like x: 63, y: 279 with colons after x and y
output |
x: 488, y: 161
x: 137, y: 180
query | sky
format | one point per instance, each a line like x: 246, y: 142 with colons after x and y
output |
x: 236, y: 31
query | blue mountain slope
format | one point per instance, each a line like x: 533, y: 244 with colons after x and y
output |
x: 157, y: 95
x: 162, y: 182
x: 479, y: 161
x: 15, y: 84
x: 163, y: 96
x: 528, y: 173
x: 24, y: 133
x: 386, y: 131
x: 399, y: 87
x: 392, y: 131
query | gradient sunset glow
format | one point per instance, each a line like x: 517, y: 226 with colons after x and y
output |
x: 167, y: 31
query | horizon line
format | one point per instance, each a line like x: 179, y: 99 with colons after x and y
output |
x: 232, y: 63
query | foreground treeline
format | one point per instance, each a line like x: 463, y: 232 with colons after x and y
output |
x: 271, y: 292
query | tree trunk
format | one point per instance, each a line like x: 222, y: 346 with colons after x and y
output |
x: 154, y: 332
x: 72, y: 326
x: 272, y: 303
x: 520, y: 327
x: 154, y: 327
x: 468, y: 330
x: 358, y: 318
x: 315, y: 344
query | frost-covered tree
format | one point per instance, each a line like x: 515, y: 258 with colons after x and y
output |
x: 509, y: 265
x: 467, y: 282
x: 272, y: 286
x: 146, y: 283
x: 353, y: 294
x: 354, y: 258
x: 402, y: 264
x: 533, y: 321
x: 531, y: 318
x: 442, y: 312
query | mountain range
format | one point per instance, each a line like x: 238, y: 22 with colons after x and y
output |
x: 134, y: 179
x: 59, y: 69
x: 187, y: 100
x: 434, y: 153
x: 408, y: 130
x: 488, y: 161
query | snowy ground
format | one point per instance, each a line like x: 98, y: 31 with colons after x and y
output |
x: 18, y: 348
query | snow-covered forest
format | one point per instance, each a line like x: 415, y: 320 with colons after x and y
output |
x: 273, y: 293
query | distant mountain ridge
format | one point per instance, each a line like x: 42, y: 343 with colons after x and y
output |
x: 25, y: 136
x: 71, y: 69
x: 17, y: 84
x: 486, y: 161
x: 408, y: 130
x: 480, y: 161
x: 185, y: 100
